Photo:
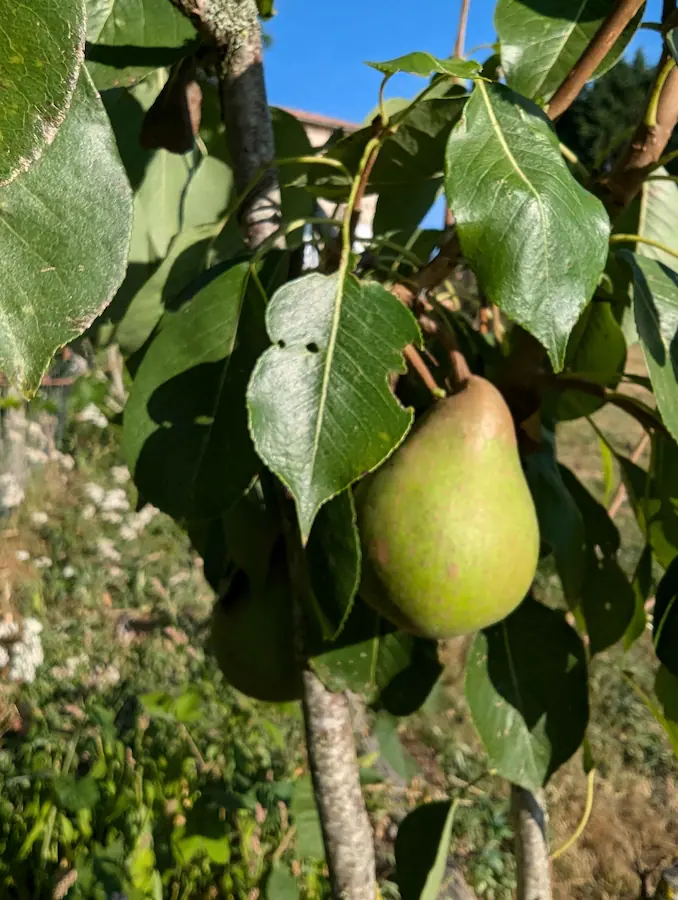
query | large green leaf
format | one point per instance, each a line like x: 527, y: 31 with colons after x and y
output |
x: 535, y: 238
x: 655, y: 302
x: 424, y: 64
x: 321, y: 411
x: 421, y: 850
x: 526, y: 687
x: 185, y: 426
x: 665, y: 619
x: 41, y: 50
x: 541, y: 42
x: 653, y: 214
x: 130, y: 38
x: 65, y: 228
x: 334, y: 560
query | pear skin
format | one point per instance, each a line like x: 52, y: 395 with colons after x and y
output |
x: 448, y: 527
x: 253, y: 638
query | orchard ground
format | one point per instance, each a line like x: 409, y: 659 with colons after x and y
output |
x: 128, y: 753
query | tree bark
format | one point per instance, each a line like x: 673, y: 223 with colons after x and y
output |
x: 529, y: 818
x: 349, y: 842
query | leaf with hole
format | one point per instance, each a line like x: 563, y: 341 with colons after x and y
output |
x: 185, y: 422
x: 41, y: 50
x: 424, y: 64
x: 541, y: 42
x: 321, y: 411
x: 527, y: 691
x: 129, y: 38
x: 535, y: 238
x: 421, y: 850
x: 65, y: 225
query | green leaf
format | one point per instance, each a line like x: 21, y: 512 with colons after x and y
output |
x: 421, y: 849
x: 607, y: 462
x: 65, y: 228
x: 291, y: 140
x: 73, y: 794
x: 321, y: 412
x: 671, y: 39
x: 653, y: 214
x: 424, y: 64
x: 535, y: 238
x: 666, y: 689
x: 208, y: 193
x: 540, y: 43
x: 281, y: 884
x: 185, y: 424
x: 304, y: 812
x: 526, y: 687
x: 131, y: 38
x: 391, y: 748
x: 41, y: 51
x: 334, y: 561
x: 642, y: 587
x: 205, y: 833
x: 266, y: 8
x: 560, y: 522
x: 655, y: 302
x: 665, y: 619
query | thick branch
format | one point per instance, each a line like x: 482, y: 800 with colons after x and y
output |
x: 649, y: 141
x: 529, y: 819
x: 232, y: 26
x: 349, y: 842
x: 605, y: 38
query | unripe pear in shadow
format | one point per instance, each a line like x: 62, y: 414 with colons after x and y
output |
x: 448, y: 527
x: 253, y: 637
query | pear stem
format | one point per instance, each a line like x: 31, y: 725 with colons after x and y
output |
x: 415, y: 360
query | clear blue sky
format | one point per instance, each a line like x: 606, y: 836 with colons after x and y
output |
x: 319, y: 48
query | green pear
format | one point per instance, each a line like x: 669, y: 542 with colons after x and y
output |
x: 253, y: 637
x: 448, y: 527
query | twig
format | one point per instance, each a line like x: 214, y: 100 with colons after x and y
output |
x: 642, y: 413
x: 284, y: 844
x: 461, y: 30
x: 581, y: 827
x: 432, y: 274
x: 413, y: 357
x: 605, y: 38
x: 639, y: 239
x: 620, y: 493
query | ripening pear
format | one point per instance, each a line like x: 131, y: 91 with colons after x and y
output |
x: 253, y: 637
x: 448, y: 527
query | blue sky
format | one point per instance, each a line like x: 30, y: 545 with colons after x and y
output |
x: 319, y: 48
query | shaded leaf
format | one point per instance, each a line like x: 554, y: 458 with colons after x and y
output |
x: 73, y: 794
x: 642, y: 587
x: 672, y: 42
x: 666, y: 689
x: 422, y: 63
x: 540, y: 43
x: 205, y: 833
x: 309, y: 842
x: 41, y: 51
x: 321, y: 412
x: 130, y: 38
x: 185, y: 424
x: 295, y: 201
x: 65, y: 225
x: 208, y: 193
x: 421, y: 849
x: 334, y: 561
x: 391, y: 748
x: 653, y: 214
x: 281, y: 884
x: 665, y: 619
x: 655, y: 302
x: 535, y: 238
x: 527, y: 690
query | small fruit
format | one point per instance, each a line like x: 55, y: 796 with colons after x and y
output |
x: 253, y: 637
x: 448, y: 527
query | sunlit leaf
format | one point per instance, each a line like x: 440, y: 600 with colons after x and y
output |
x: 422, y: 63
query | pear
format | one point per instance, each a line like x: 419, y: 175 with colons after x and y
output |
x: 253, y: 637
x: 448, y: 527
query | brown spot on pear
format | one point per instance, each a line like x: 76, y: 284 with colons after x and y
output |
x: 454, y: 510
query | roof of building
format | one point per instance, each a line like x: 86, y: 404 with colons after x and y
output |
x: 321, y: 121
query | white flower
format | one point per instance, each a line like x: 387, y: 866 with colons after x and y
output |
x: 11, y: 492
x: 115, y: 500
x: 35, y: 456
x: 120, y: 474
x: 8, y: 630
x: 112, y: 517
x: 127, y: 533
x: 116, y: 572
x: 106, y: 550
x: 68, y: 572
x: 94, y: 492
x: 34, y: 431
x: 26, y: 654
x: 22, y: 555
x: 32, y: 626
x: 4, y: 657
x: 66, y: 461
x: 39, y: 518
x: 144, y: 517
x: 89, y: 512
x: 91, y: 413
x: 43, y: 562
x: 179, y: 578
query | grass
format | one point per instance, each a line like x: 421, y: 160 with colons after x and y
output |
x: 129, y: 766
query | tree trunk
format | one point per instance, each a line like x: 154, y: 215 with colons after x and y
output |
x: 529, y: 819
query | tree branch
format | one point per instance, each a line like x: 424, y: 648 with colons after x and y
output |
x: 529, y: 819
x: 432, y: 274
x: 232, y: 26
x: 461, y: 30
x: 605, y: 38
x: 349, y: 842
